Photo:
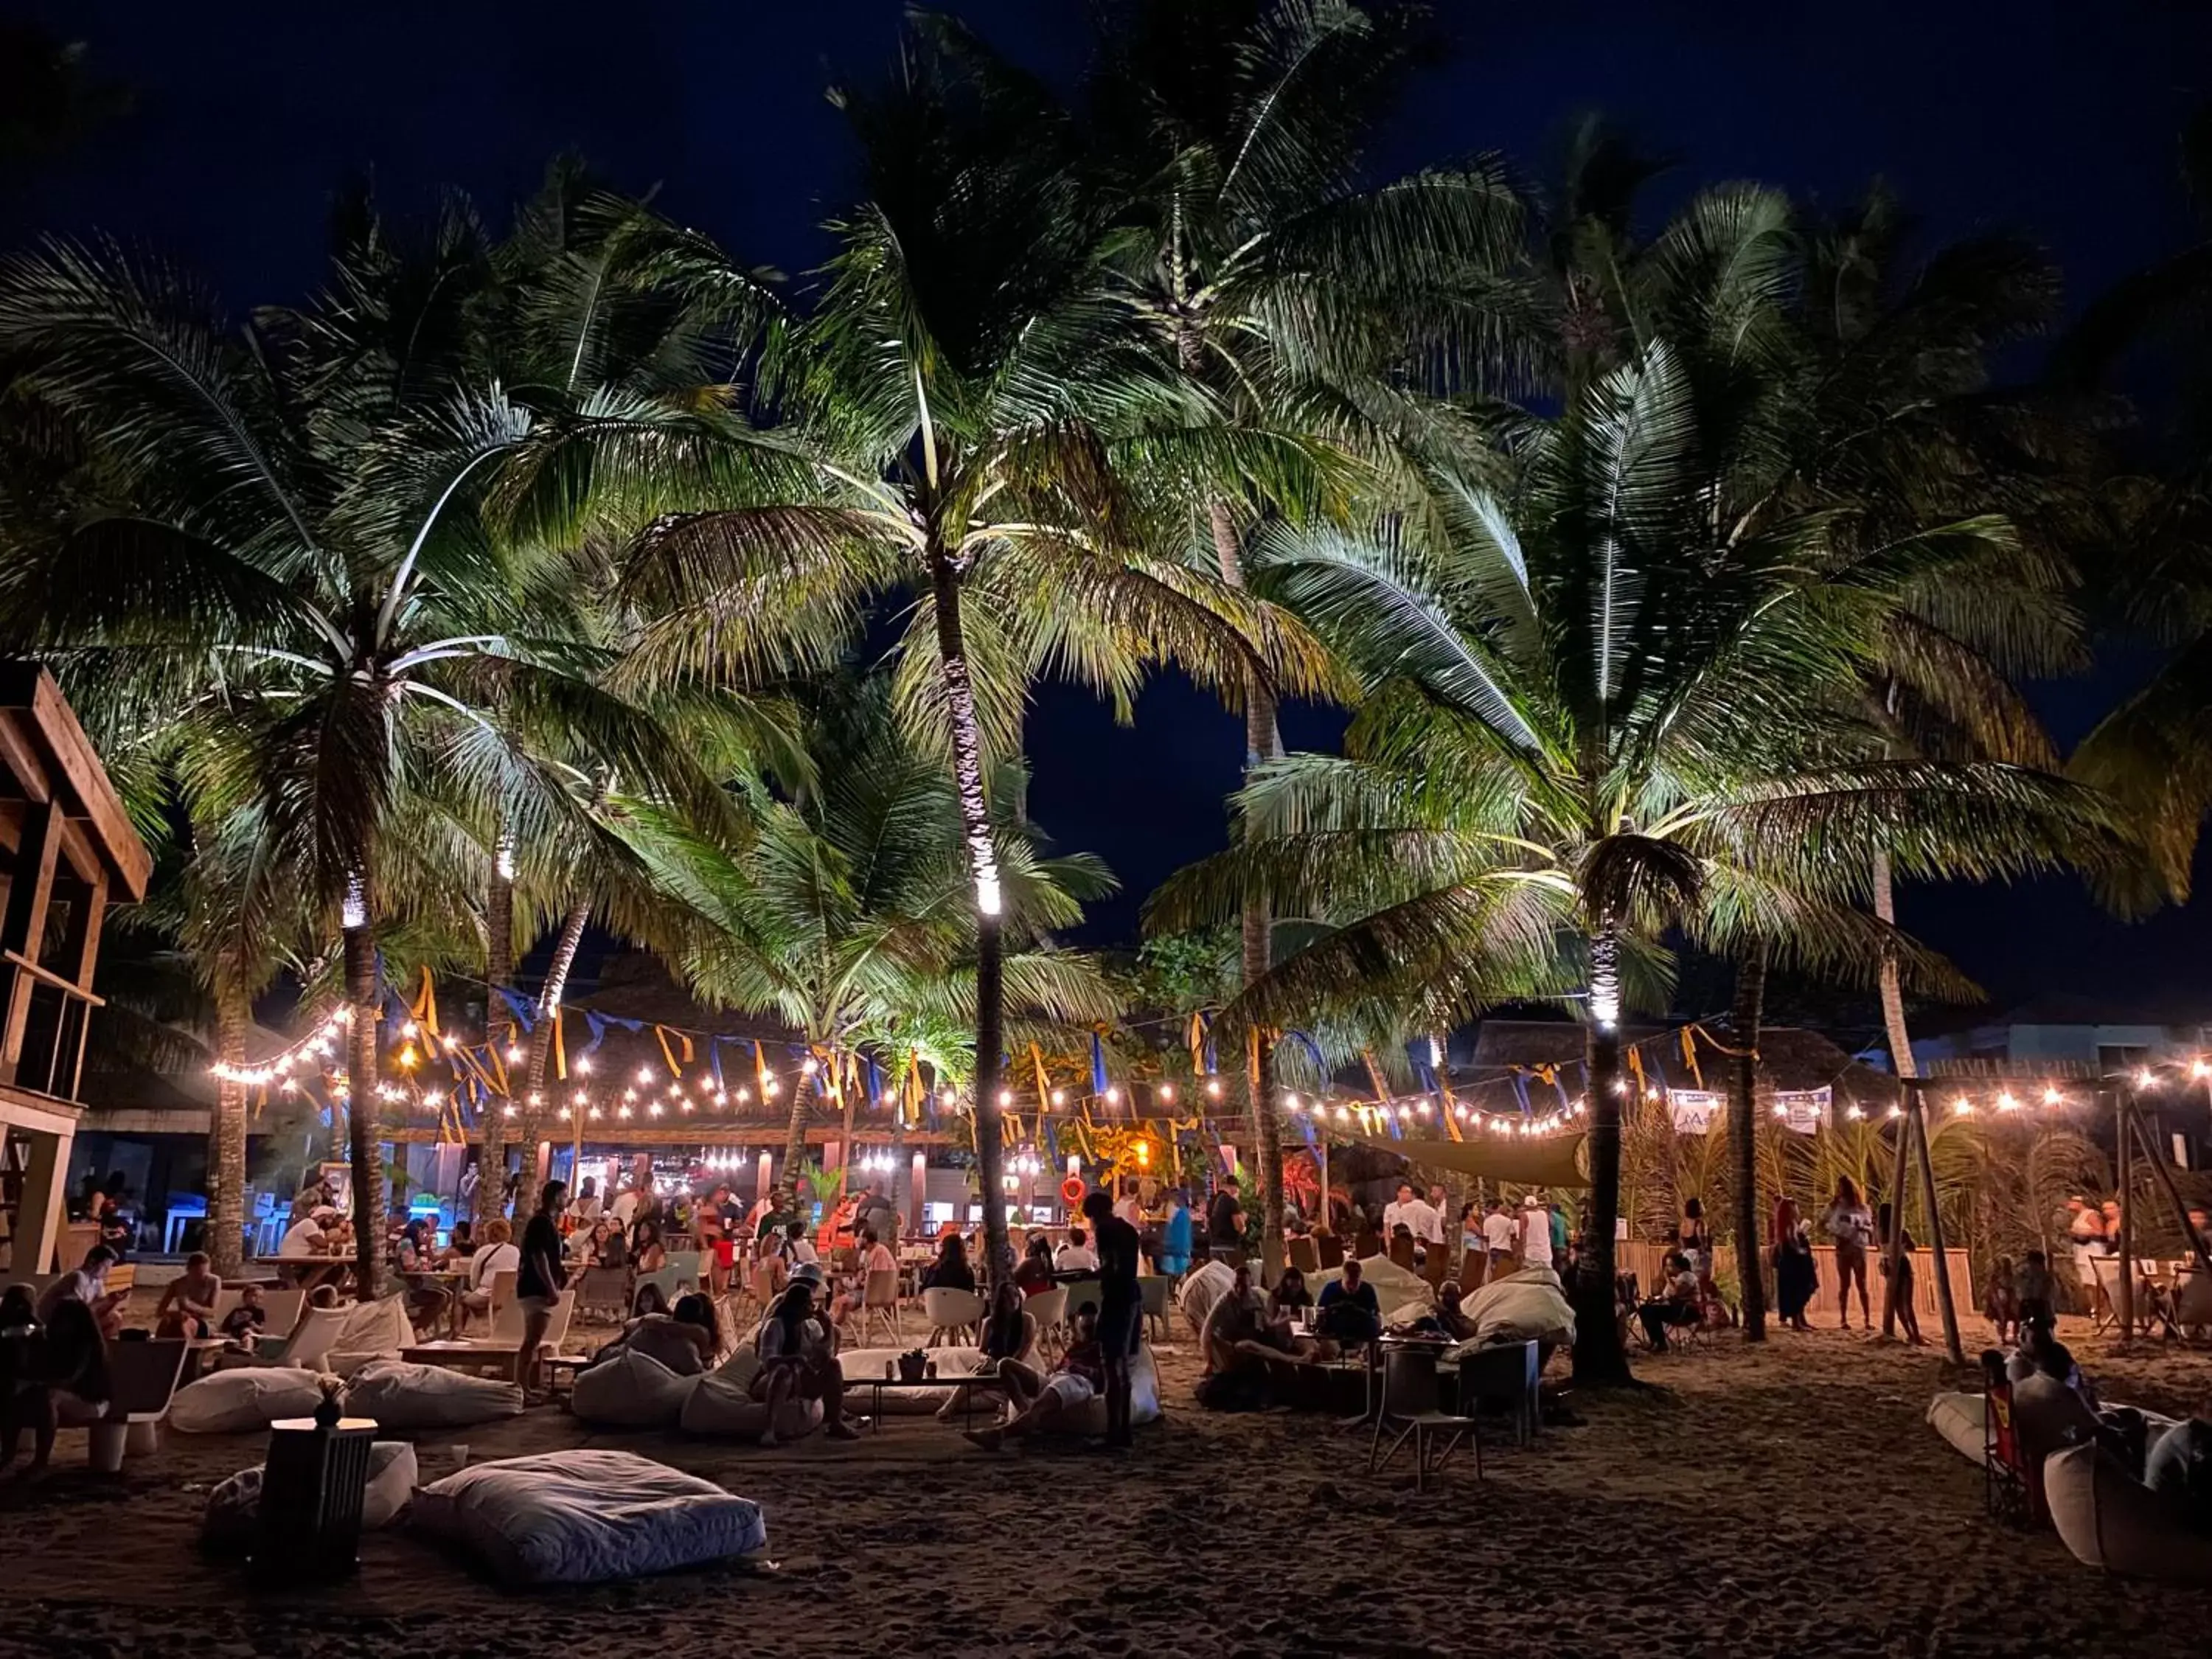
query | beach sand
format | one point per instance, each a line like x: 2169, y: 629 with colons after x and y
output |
x: 1784, y: 1500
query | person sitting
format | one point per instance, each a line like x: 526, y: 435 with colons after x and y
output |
x: 87, y: 1285
x: 1040, y: 1401
x: 1008, y: 1334
x: 1350, y: 1315
x: 2001, y: 1299
x: 798, y: 1249
x: 951, y: 1271
x: 498, y: 1254
x: 688, y: 1338
x: 1034, y: 1276
x: 460, y: 1245
x: 427, y: 1300
x: 187, y: 1305
x: 1676, y: 1305
x: 1239, y: 1317
x: 63, y: 1352
x: 1076, y: 1255
x: 1447, y: 1320
x: 798, y: 1358
x: 2034, y: 1288
x: 646, y: 1249
x: 243, y: 1324
x: 875, y: 1258
x: 1289, y: 1302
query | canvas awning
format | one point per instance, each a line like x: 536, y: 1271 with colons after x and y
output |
x: 1553, y: 1160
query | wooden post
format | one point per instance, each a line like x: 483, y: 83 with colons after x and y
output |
x: 23, y: 927
x: 2124, y: 1150
x: 1893, y: 1246
x: 1916, y: 1111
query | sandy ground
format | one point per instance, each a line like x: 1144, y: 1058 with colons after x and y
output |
x: 1786, y: 1500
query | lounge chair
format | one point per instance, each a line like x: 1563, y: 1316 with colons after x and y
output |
x: 951, y: 1314
x: 142, y: 1378
x: 305, y: 1348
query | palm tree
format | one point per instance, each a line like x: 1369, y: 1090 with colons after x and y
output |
x: 1228, y: 137
x: 844, y: 916
x: 1602, y: 710
x: 292, y: 524
x: 967, y: 424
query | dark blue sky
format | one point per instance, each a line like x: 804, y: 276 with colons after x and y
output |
x: 2056, y: 120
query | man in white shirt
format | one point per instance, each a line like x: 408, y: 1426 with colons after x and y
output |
x: 1497, y: 1237
x: 1076, y: 1255
x: 624, y: 1208
x: 87, y: 1285
x: 1536, y: 1232
x: 797, y: 1247
x: 305, y: 1236
x: 1415, y: 1214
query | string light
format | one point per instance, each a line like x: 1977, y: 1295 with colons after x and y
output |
x: 1166, y: 1092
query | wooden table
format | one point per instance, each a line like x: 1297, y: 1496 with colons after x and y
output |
x: 326, y: 1269
x: 473, y: 1356
x: 966, y: 1386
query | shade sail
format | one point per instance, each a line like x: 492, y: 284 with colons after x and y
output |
x: 1553, y: 1160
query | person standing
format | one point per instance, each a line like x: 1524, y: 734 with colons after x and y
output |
x: 1795, y: 1276
x: 1497, y: 1238
x: 1121, y: 1310
x: 1850, y: 1225
x: 1176, y: 1240
x: 540, y: 1279
x: 1415, y: 1214
x: 2085, y: 1227
x: 1536, y: 1232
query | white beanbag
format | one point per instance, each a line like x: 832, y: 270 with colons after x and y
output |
x: 2109, y: 1519
x: 403, y: 1396
x: 226, y: 1525
x: 1143, y: 1399
x: 1527, y: 1306
x: 234, y: 1402
x: 373, y: 1330
x: 1958, y: 1419
x: 630, y: 1390
x: 721, y: 1403
x: 581, y: 1518
x: 1201, y: 1287
x: 861, y: 1365
x: 1402, y: 1294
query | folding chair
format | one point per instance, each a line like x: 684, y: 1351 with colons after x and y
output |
x: 1332, y: 1252
x: 2007, y: 1496
x: 1409, y: 1404
x: 1305, y: 1257
x: 1402, y: 1251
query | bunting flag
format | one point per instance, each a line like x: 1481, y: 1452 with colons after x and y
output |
x: 1201, y: 1046
x: 1043, y: 1081
x: 714, y: 1064
x: 1690, y: 1056
x: 875, y: 1077
x: 425, y: 1011
x: 1636, y: 1071
x: 661, y: 1034
x: 760, y: 1070
x: 524, y: 1012
x: 1305, y: 1042
x: 559, y: 1046
x: 1098, y: 1062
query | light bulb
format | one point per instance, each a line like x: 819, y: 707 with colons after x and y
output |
x: 1166, y: 1091
x: 583, y: 1065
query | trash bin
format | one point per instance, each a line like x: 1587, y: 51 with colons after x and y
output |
x: 312, y: 1490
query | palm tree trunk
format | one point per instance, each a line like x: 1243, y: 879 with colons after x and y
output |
x: 1743, y: 1130
x: 983, y: 865
x: 499, y: 1021
x: 1262, y: 742
x: 226, y: 1222
x: 1892, y: 995
x: 1600, y: 1357
x: 364, y: 1110
x: 794, y: 1134
x: 541, y: 1060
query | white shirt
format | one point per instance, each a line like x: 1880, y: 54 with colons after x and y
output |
x: 493, y: 1259
x: 1419, y: 1216
x: 625, y: 1207
x: 588, y: 1209
x: 301, y: 1238
x: 1536, y: 1237
x: 1130, y: 1209
x: 1074, y: 1258
x: 1497, y: 1230
x: 83, y: 1285
x: 803, y: 1251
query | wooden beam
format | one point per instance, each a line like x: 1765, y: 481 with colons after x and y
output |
x: 24, y: 921
x: 84, y: 858
x: 87, y: 780
x: 20, y: 755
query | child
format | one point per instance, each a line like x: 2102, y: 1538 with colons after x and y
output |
x: 243, y: 1323
x: 2032, y: 1292
x: 2001, y: 1299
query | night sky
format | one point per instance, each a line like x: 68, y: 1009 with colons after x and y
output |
x: 2056, y: 120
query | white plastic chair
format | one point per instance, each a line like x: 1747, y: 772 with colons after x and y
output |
x: 952, y: 1314
x: 1049, y: 1310
x: 879, y: 1305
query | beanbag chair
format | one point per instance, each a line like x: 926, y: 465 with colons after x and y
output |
x: 1958, y: 1419
x: 373, y: 1330
x: 861, y: 1365
x: 721, y: 1403
x: 2178, y: 1464
x: 582, y: 1517
x: 1144, y: 1399
x: 630, y: 1390
x: 1203, y: 1286
x: 235, y: 1402
x: 226, y: 1525
x: 2109, y: 1519
x: 1402, y: 1294
x: 403, y: 1396
x: 1527, y: 1306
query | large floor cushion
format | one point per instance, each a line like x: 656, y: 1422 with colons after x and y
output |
x: 861, y: 1365
x: 398, y: 1396
x: 2109, y: 1519
x: 630, y: 1390
x: 582, y: 1517
x: 372, y: 1330
x: 721, y: 1403
x: 1201, y: 1287
x: 1527, y: 1306
x: 1402, y: 1294
x: 235, y: 1402
x: 1958, y: 1418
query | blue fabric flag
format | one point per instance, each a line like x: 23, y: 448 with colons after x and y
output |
x: 1098, y: 1064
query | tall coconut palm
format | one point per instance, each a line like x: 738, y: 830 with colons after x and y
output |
x: 969, y: 426
x: 1603, y: 709
x: 292, y: 520
x: 1228, y: 137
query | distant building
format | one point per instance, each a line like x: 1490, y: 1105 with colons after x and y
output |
x: 2069, y: 1036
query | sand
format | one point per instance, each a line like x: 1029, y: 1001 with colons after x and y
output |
x: 1786, y: 1500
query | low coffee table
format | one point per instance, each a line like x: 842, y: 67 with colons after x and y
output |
x: 966, y: 1386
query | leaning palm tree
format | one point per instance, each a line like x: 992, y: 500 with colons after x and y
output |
x: 1227, y: 137
x: 1603, y: 710
x: 291, y: 520
x: 967, y: 426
